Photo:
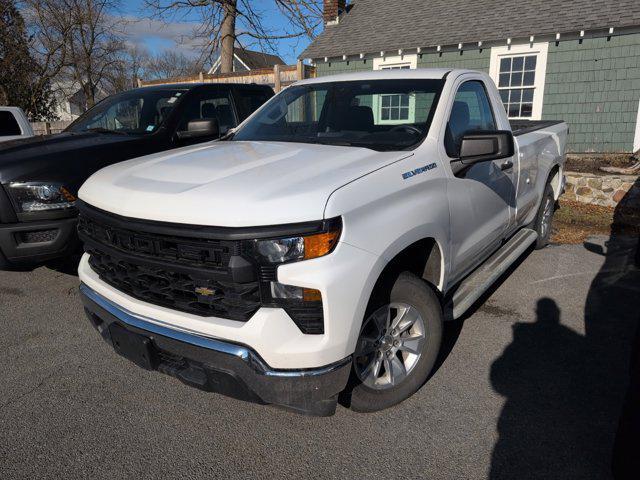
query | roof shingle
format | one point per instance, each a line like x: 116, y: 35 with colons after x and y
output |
x: 375, y: 25
x: 255, y: 60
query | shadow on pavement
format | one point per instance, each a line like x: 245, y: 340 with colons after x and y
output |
x: 620, y: 254
x: 564, y: 391
x: 67, y: 265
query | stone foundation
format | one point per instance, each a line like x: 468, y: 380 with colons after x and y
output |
x: 604, y: 190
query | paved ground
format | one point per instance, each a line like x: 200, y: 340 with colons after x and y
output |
x: 531, y: 388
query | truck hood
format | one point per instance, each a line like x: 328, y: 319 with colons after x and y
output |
x: 232, y: 184
x: 66, y: 157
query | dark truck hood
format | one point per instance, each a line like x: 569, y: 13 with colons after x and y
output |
x: 69, y: 158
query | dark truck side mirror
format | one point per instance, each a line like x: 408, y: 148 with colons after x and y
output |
x: 202, y: 128
x: 483, y: 147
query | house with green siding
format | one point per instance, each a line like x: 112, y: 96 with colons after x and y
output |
x: 575, y: 60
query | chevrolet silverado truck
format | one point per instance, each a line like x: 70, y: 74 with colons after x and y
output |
x: 40, y: 176
x: 316, y: 251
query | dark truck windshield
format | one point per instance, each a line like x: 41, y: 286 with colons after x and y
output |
x: 137, y: 112
x: 376, y: 114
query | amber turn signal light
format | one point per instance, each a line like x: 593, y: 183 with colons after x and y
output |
x: 321, y: 244
x: 311, y: 295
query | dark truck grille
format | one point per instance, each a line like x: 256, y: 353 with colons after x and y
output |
x: 188, y: 273
x: 213, y: 254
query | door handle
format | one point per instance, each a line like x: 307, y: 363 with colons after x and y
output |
x: 508, y: 165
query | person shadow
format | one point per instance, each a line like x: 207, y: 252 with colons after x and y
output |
x: 564, y: 391
x: 543, y: 376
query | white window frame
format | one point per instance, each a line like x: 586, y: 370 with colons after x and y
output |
x: 636, y: 138
x: 541, y: 50
x: 393, y: 62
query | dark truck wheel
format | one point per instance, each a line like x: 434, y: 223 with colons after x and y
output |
x: 398, y: 345
x: 544, y: 219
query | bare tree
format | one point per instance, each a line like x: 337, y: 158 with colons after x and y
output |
x: 95, y: 44
x: 226, y: 23
x: 78, y: 40
x: 131, y: 66
x: 170, y: 63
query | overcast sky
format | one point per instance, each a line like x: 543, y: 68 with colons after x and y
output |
x: 157, y: 35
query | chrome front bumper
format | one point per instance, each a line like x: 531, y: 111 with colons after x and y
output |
x: 215, y: 365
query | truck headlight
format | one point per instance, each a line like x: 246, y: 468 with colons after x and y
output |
x: 293, y: 249
x: 40, y: 196
x: 303, y: 305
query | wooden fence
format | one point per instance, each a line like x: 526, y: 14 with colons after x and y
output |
x: 48, y: 128
x: 277, y: 77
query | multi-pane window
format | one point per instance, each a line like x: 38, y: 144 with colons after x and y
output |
x: 394, y: 107
x: 516, y: 82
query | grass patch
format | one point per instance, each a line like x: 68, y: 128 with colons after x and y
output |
x: 574, y: 222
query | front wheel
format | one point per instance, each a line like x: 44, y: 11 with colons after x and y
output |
x: 398, y: 344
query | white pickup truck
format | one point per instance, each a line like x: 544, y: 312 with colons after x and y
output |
x: 14, y: 124
x: 318, y: 249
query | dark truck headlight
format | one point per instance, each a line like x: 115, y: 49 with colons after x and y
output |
x: 40, y: 196
x: 304, y: 305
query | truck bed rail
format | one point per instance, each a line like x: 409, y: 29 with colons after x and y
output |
x: 520, y: 127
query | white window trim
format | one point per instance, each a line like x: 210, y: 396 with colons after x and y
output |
x: 396, y: 61
x: 382, y: 63
x: 636, y: 138
x: 541, y: 50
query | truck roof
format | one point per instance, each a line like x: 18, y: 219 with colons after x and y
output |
x: 418, y: 73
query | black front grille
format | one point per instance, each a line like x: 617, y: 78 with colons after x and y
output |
x: 179, y: 291
x: 206, y: 253
x: 189, y: 274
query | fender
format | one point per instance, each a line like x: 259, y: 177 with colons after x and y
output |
x: 386, y: 211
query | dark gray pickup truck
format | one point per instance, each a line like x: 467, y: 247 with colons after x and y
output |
x: 40, y: 176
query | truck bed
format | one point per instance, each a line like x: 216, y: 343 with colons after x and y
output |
x: 520, y: 127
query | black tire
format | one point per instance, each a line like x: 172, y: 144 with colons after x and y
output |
x: 415, y: 292
x: 543, y: 223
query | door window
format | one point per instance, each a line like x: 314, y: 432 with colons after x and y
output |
x: 249, y: 100
x: 471, y: 112
x: 208, y: 105
x: 8, y: 125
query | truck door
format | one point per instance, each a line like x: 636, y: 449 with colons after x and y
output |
x: 482, y: 198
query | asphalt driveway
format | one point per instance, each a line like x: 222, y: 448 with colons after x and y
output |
x: 531, y: 388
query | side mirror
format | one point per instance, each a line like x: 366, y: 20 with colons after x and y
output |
x: 206, y: 127
x: 486, y: 146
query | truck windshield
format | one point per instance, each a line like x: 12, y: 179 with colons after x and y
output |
x: 138, y: 112
x: 376, y: 114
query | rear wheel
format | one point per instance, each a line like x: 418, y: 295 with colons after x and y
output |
x: 398, y: 344
x: 544, y: 219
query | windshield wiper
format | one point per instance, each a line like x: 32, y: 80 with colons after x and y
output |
x: 342, y: 143
x: 105, y: 130
x: 337, y: 143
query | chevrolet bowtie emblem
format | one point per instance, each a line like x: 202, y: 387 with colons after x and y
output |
x: 205, y: 291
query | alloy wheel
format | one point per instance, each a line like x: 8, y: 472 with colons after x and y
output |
x: 390, y: 345
x: 547, y: 215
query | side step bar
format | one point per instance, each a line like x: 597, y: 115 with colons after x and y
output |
x: 472, y: 287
